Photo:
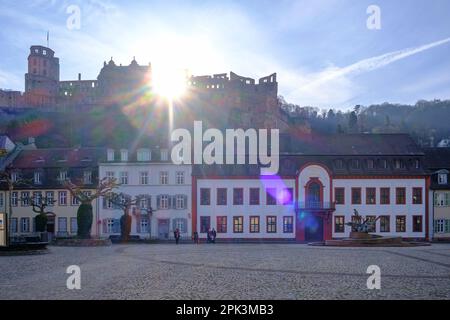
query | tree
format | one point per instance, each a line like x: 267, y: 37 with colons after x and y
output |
x: 39, y: 206
x: 125, y: 202
x: 85, y: 212
x: 352, y: 121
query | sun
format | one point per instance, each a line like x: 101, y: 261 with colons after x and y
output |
x: 169, y: 82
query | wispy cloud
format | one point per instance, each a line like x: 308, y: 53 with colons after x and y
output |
x: 336, y: 85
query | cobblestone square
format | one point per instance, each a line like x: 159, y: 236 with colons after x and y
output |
x: 228, y: 271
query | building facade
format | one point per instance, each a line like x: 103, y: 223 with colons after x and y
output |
x: 438, y: 166
x: 39, y: 175
x: 163, y: 191
x: 320, y: 184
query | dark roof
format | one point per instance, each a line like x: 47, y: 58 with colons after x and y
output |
x: 59, y: 157
x: 437, y: 158
x: 350, y: 144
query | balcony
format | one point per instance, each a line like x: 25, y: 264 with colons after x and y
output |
x: 316, y: 205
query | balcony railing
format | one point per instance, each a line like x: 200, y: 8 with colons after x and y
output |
x: 316, y: 205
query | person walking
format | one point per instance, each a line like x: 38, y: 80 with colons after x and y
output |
x: 177, y: 236
x: 195, y: 237
x: 213, y: 235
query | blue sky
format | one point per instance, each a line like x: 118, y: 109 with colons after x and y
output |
x: 323, y: 52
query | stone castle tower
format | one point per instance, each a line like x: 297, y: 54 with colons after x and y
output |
x: 42, y: 79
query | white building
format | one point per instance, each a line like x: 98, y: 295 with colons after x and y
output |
x: 165, y: 191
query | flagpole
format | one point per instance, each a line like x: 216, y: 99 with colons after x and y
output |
x: 48, y: 39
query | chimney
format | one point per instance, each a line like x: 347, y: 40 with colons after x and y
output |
x: 79, y: 77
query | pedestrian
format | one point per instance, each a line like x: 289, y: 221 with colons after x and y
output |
x: 214, y: 235
x: 209, y: 236
x: 177, y: 235
x: 195, y: 236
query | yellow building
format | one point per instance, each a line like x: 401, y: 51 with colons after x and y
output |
x: 39, y: 176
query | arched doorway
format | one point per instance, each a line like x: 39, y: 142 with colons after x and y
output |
x: 314, y: 194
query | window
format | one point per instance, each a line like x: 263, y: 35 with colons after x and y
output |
x: 372, y: 227
x: 37, y: 178
x: 205, y: 197
x: 356, y: 195
x: 238, y: 224
x: 143, y: 178
x: 384, y: 164
x: 356, y: 164
x: 145, y: 202
x: 271, y: 224
x: 180, y: 202
x: 221, y: 196
x: 238, y: 196
x: 385, y: 224
x: 87, y: 177
x: 110, y: 225
x: 287, y: 196
x: 14, y: 177
x: 221, y: 224
x: 400, y: 195
x: 62, y: 176
x: 417, y: 196
x: 124, y: 178
x: 25, y: 197
x: 370, y: 164
x: 205, y: 224
x: 271, y: 198
x: 13, y: 226
x: 164, y: 201
x: 164, y: 155
x: 37, y: 198
x: 110, y: 175
x: 417, y: 164
x: 385, y: 197
x: 288, y: 224
x: 75, y: 201
x: 144, y: 225
x: 62, y: 224
x: 163, y: 178
x: 50, y: 197
x: 180, y: 177
x: 417, y: 224
x: 442, y: 178
x: 339, y: 164
x: 180, y: 224
x: 339, y: 195
x: 339, y: 224
x: 400, y: 224
x: 371, y: 196
x: 254, y: 196
x: 2, y: 200
x: 110, y: 155
x: 143, y: 155
x: 14, y: 199
x: 24, y: 225
x: 439, y: 226
x: 399, y: 164
x: 62, y: 198
x: 124, y: 155
x: 73, y: 225
x: 442, y: 199
x: 254, y: 224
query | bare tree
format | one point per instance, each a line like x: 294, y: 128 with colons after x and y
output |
x: 85, y: 211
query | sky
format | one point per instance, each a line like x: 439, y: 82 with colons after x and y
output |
x: 322, y: 50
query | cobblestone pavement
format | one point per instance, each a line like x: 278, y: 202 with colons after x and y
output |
x: 228, y: 271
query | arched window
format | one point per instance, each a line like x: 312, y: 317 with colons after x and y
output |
x: 314, y: 199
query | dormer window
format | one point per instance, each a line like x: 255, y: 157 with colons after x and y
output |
x: 87, y: 177
x: 356, y: 164
x: 384, y: 163
x: 124, y: 155
x: 164, y: 155
x: 14, y: 176
x: 442, y: 178
x: 339, y: 164
x: 110, y: 155
x: 417, y: 164
x: 399, y: 164
x: 370, y: 164
x: 37, y: 178
x: 62, y: 176
x: 143, y: 155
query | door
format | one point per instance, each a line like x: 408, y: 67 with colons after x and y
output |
x: 163, y: 228
x: 313, y: 228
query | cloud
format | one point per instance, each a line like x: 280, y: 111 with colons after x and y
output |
x: 335, y: 85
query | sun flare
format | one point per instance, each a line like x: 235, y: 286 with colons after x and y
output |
x: 169, y: 83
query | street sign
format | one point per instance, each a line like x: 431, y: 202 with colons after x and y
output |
x: 3, y: 230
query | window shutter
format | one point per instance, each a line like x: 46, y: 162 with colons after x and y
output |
x: 185, y: 202
x: 116, y: 226
x: 149, y: 202
x: 158, y: 202
x: 105, y: 228
x: 138, y: 224
x: 184, y: 226
x: 104, y: 202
